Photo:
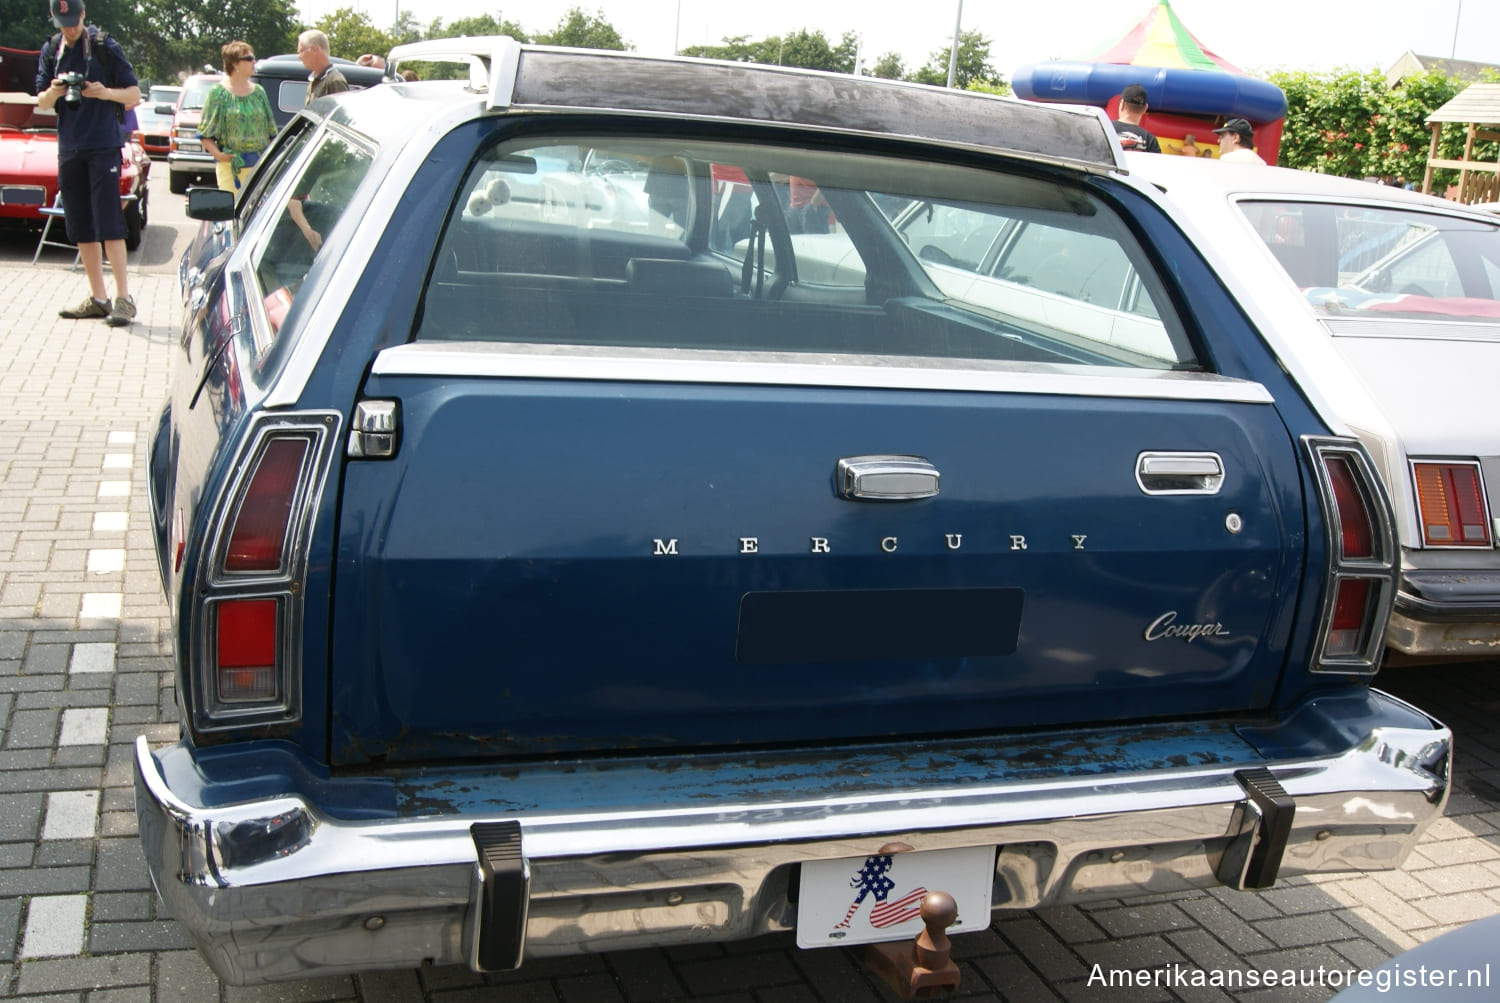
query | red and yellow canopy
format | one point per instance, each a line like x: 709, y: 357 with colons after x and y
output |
x: 1161, y: 39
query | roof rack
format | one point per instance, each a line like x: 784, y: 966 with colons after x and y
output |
x: 552, y: 78
x: 493, y: 61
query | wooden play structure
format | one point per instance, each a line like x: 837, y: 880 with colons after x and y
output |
x: 1477, y: 109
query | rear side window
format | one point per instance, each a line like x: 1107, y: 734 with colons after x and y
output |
x: 655, y: 243
x: 321, y: 193
x: 1352, y: 260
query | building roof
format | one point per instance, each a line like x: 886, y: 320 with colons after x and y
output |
x: 1477, y: 103
x: 1410, y: 64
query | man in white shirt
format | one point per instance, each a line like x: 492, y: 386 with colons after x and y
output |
x: 1237, y: 143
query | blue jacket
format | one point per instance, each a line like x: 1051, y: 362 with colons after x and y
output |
x: 91, y: 124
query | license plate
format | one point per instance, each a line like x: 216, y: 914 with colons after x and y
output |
x: 866, y: 900
x: 19, y: 195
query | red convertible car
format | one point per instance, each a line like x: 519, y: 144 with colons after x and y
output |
x: 28, y: 154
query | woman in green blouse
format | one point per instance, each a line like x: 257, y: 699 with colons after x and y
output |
x: 237, y: 123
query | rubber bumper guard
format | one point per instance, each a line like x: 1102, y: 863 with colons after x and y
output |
x: 503, y: 888
x: 1264, y: 824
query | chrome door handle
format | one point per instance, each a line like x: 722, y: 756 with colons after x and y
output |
x: 1179, y: 473
x: 886, y: 478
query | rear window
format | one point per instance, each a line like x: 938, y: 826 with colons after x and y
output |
x: 1364, y: 261
x: 652, y: 243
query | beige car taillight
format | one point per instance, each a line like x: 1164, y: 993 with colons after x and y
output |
x: 1451, y: 505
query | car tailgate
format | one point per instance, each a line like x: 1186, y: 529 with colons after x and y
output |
x: 554, y: 564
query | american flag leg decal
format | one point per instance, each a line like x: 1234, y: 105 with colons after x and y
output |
x: 899, y: 910
x: 874, y: 879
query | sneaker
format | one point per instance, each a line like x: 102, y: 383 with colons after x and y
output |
x: 89, y: 308
x: 123, y: 313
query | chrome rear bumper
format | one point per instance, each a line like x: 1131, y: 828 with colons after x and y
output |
x: 1447, y: 613
x: 279, y: 889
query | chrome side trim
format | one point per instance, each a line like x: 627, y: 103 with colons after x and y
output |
x: 278, y: 889
x: 1406, y: 329
x: 570, y: 362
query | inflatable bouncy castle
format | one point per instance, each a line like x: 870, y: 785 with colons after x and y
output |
x: 1190, y: 90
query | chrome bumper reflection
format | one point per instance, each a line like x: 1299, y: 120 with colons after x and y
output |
x: 277, y: 889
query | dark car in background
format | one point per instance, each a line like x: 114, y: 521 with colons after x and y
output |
x: 285, y: 80
x: 570, y: 551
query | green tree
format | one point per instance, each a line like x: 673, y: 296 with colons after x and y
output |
x: 989, y: 87
x: 26, y: 24
x: 484, y: 24
x: 809, y: 50
x: 406, y: 29
x: 973, y: 63
x: 889, y: 67
x: 736, y: 48
x: 351, y: 34
x: 584, y: 31
x: 183, y: 36
x: 1350, y: 123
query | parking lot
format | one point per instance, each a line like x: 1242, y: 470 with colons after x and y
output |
x: 85, y: 668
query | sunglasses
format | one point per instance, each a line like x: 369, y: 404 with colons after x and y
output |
x: 247, y: 59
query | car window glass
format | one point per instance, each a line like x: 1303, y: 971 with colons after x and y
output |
x: 196, y: 92
x: 1383, y: 261
x: 298, y: 134
x: 321, y: 193
x: 949, y: 235
x: 289, y: 95
x: 655, y: 243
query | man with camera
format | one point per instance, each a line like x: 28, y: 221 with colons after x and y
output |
x: 83, y: 74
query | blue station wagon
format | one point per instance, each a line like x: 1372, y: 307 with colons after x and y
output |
x: 614, y: 501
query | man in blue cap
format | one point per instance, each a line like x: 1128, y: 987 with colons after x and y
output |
x: 84, y: 76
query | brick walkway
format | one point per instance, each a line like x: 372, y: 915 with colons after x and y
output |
x: 84, y: 668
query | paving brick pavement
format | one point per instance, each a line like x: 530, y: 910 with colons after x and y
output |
x: 84, y: 669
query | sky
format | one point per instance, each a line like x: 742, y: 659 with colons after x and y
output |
x: 1257, y: 36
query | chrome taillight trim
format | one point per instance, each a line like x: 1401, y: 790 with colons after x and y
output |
x: 213, y: 585
x: 1381, y: 569
x: 1484, y: 501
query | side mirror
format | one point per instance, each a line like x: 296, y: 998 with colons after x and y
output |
x: 211, y: 204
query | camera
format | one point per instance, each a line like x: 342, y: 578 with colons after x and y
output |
x: 74, y: 83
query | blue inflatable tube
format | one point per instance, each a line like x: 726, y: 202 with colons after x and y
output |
x: 1172, y: 90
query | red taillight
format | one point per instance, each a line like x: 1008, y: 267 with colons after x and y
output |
x: 257, y: 539
x: 247, y: 636
x: 1362, y: 556
x: 1351, y: 613
x: 1450, y: 505
x: 1355, y: 531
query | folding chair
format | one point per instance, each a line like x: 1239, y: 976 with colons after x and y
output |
x: 53, y: 214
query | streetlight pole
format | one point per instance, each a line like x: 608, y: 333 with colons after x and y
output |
x: 1457, y: 17
x: 953, y: 52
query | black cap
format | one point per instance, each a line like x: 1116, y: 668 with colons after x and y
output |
x: 1240, y: 128
x: 66, y: 13
x: 1133, y: 94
